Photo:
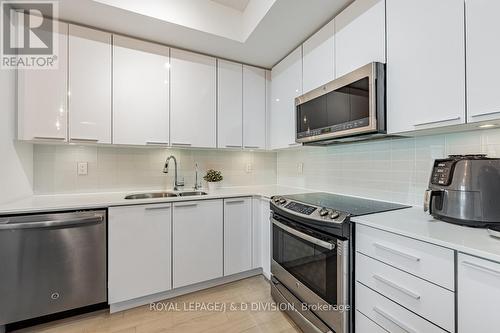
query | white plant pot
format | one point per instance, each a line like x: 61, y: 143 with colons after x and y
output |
x: 212, y: 186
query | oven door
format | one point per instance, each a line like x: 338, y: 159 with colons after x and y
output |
x: 314, y: 267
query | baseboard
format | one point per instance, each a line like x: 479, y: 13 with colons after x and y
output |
x: 121, y: 306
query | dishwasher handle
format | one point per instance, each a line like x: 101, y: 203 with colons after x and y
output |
x: 69, y: 222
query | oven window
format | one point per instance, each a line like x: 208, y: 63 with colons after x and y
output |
x: 313, y: 265
x: 344, y: 105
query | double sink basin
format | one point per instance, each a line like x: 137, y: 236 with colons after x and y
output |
x: 154, y: 195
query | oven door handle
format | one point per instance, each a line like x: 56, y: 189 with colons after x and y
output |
x: 304, y: 236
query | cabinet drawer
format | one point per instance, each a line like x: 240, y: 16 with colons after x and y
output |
x: 365, y: 325
x: 430, y: 262
x: 387, y: 314
x: 424, y: 298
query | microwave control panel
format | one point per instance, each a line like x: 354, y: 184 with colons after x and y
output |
x: 442, y: 172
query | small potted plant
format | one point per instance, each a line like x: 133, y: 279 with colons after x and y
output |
x: 213, y: 177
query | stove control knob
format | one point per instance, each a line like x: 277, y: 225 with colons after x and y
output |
x: 276, y: 199
x: 282, y: 201
x: 323, y: 212
x: 334, y: 214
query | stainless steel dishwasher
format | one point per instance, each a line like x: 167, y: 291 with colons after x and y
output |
x: 51, y: 263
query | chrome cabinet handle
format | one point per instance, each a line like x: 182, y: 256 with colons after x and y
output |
x: 394, y: 320
x: 233, y: 146
x: 48, y: 138
x: 295, y: 144
x: 252, y: 147
x: 484, y: 114
x: 396, y: 286
x: 397, y: 252
x: 84, y: 140
x: 186, y: 204
x: 306, y: 237
x: 179, y: 144
x: 156, y: 143
x: 437, y: 121
x: 481, y: 268
x: 234, y: 201
x: 157, y: 207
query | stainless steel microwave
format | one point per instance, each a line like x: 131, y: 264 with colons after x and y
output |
x: 349, y: 108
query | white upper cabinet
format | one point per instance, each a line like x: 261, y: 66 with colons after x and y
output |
x: 286, y: 85
x: 140, y: 92
x: 319, y: 64
x: 89, y: 85
x: 483, y: 52
x: 478, y: 295
x: 254, y: 108
x: 229, y: 108
x: 42, y: 97
x: 193, y: 99
x: 237, y: 235
x: 426, y: 64
x: 359, y: 35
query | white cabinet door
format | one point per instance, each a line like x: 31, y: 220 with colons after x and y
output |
x: 42, y: 97
x: 426, y: 64
x: 359, y: 35
x: 257, y: 241
x: 483, y: 52
x: 319, y: 63
x: 286, y: 85
x: 139, y: 251
x: 237, y: 235
x: 193, y: 99
x: 230, y: 104
x: 197, y: 241
x: 254, y: 108
x: 89, y: 85
x: 140, y: 92
x: 478, y: 295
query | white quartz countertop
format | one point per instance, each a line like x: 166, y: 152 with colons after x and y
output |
x: 45, y: 203
x: 415, y: 223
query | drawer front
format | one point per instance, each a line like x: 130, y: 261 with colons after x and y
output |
x: 387, y: 314
x: 430, y: 262
x: 365, y: 325
x: 424, y: 298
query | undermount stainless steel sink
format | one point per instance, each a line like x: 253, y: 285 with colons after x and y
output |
x: 151, y: 195
x: 192, y: 193
x: 154, y: 195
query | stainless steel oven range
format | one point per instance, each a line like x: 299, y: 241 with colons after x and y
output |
x: 312, y: 242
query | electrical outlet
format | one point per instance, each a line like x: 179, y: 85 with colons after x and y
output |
x: 300, y: 168
x: 83, y: 168
x: 248, y: 168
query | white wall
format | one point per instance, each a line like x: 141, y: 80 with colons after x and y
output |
x: 135, y: 169
x: 394, y: 170
x: 16, y: 165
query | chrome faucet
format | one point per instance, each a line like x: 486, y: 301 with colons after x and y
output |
x: 177, y: 183
x: 197, y: 184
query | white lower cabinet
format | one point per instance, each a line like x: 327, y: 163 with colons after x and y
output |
x: 478, y: 295
x: 139, y: 251
x: 197, y: 242
x: 387, y: 314
x: 237, y: 235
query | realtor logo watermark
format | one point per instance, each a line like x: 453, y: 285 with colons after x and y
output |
x: 29, y: 35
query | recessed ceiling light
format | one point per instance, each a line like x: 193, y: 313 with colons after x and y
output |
x: 488, y: 126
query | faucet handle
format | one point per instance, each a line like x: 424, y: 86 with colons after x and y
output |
x: 180, y: 182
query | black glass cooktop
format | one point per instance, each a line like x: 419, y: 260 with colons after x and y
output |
x: 352, y: 205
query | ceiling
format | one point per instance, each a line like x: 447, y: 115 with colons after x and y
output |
x: 239, y: 5
x: 255, y: 32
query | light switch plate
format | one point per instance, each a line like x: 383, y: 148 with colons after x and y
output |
x: 83, y: 168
